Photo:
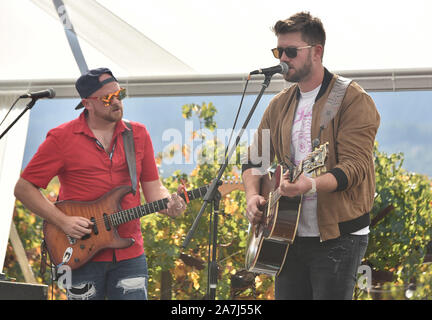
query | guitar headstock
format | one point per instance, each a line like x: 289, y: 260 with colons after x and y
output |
x: 230, y: 185
x: 315, y: 161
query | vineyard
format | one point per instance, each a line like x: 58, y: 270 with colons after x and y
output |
x: 398, y: 253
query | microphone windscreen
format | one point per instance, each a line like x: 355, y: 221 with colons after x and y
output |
x: 52, y: 93
x: 285, y: 67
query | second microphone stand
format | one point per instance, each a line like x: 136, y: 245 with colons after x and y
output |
x: 213, y: 196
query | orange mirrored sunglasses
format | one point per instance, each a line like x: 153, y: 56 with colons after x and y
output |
x: 107, y: 100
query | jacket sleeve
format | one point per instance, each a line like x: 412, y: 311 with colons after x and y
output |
x: 357, y: 125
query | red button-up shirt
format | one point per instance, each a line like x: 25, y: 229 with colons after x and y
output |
x: 86, y: 171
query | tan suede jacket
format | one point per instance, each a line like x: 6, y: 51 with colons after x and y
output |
x: 351, y: 136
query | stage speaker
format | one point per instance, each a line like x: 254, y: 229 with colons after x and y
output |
x: 22, y: 291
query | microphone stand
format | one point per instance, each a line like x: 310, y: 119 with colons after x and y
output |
x: 213, y: 195
x: 28, y: 107
x: 212, y: 263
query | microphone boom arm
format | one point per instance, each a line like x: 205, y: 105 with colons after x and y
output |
x: 212, y: 189
x: 28, y: 107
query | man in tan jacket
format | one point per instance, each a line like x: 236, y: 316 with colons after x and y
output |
x: 333, y: 227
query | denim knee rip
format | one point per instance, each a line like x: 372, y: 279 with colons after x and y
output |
x: 133, y: 284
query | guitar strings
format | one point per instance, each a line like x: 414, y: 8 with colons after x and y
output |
x: 164, y: 206
x: 164, y: 201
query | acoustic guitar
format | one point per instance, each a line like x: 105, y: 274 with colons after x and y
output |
x: 106, y: 215
x: 268, y: 241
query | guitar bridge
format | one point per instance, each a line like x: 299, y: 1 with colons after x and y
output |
x: 71, y: 240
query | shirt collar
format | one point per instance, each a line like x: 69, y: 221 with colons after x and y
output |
x: 81, y: 126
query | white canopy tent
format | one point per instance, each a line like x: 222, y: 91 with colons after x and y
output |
x: 193, y: 47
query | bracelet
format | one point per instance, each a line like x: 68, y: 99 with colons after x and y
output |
x: 313, y: 189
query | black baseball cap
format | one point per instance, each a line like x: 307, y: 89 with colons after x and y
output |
x: 89, y: 83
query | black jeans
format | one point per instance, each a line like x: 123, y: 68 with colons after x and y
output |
x: 321, y: 270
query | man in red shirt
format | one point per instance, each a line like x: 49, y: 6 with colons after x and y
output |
x: 87, y: 155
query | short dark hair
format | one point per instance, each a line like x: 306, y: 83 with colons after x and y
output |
x: 311, y: 28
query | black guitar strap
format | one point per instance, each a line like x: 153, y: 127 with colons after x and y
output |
x: 129, y: 147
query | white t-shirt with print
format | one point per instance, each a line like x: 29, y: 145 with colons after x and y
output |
x: 301, y: 146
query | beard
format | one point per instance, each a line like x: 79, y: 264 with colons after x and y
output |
x: 302, y: 73
x: 115, y: 114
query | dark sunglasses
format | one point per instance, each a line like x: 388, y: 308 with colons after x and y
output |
x: 107, y: 100
x: 291, y: 52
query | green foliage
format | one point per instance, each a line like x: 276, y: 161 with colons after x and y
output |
x: 398, y: 241
x: 205, y: 113
x: 190, y: 281
x: 423, y: 289
x: 29, y: 227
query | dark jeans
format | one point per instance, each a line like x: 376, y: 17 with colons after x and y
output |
x: 122, y: 280
x: 321, y: 270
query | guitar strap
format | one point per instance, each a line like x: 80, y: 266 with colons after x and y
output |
x: 331, y: 106
x: 129, y: 147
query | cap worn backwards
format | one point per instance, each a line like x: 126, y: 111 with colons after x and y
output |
x: 89, y: 83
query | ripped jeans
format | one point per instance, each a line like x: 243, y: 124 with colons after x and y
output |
x: 315, y: 270
x: 121, y: 280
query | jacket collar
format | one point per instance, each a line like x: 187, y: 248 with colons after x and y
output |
x: 328, y: 76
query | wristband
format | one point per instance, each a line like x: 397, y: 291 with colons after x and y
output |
x: 313, y: 189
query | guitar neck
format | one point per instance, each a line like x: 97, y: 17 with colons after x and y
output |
x: 296, y: 173
x: 315, y: 160
x: 127, y: 215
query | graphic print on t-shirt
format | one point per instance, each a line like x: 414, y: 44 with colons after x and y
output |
x: 301, y: 146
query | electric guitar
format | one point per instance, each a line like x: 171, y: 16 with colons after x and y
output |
x: 106, y: 215
x: 268, y: 241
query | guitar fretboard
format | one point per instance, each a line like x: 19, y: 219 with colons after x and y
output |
x: 127, y: 215
x: 296, y: 173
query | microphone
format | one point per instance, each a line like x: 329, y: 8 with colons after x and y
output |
x: 280, y: 68
x: 48, y: 93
